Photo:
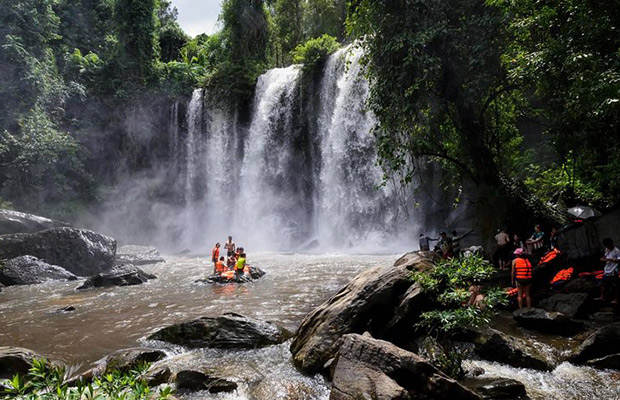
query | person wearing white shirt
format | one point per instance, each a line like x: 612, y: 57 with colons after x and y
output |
x: 610, y: 271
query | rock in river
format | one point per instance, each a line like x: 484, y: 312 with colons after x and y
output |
x: 122, y: 275
x: 497, y: 388
x: 27, y: 270
x: 138, y: 255
x: 602, y: 343
x: 494, y: 345
x: 368, y: 303
x: 569, y: 304
x: 79, y: 251
x: 369, y: 368
x: 15, y: 360
x: 553, y: 322
x: 19, y: 222
x: 196, y: 380
x: 227, y: 331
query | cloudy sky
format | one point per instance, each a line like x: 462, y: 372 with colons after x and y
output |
x: 198, y: 16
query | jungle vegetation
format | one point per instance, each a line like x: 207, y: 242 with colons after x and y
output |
x: 519, y: 97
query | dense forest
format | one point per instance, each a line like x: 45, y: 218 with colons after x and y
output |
x: 522, y: 98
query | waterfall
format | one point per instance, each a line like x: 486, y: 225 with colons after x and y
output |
x: 300, y: 173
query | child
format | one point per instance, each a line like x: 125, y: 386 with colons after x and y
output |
x: 220, y: 266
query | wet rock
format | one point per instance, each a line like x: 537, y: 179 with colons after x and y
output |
x: 28, y: 270
x: 603, y: 342
x: 405, y: 315
x: 230, y: 330
x: 65, y: 310
x: 79, y: 251
x: 19, y: 222
x: 430, y: 349
x: 611, y: 361
x: 122, y: 275
x: 138, y: 255
x: 497, y: 388
x: 494, y: 345
x: 582, y: 285
x: 122, y: 360
x: 553, y: 322
x: 196, y: 380
x: 569, y: 304
x: 15, y: 360
x: 603, y: 317
x: 158, y: 375
x: 367, y: 303
x: 369, y: 368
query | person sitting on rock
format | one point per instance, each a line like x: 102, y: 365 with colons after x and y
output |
x: 477, y: 298
x: 232, y: 260
x: 522, y: 274
x: 220, y: 266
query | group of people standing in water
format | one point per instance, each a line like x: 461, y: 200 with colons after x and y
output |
x: 235, y: 259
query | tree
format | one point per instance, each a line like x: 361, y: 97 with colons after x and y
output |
x: 135, y: 22
x: 171, y: 37
x: 566, y: 55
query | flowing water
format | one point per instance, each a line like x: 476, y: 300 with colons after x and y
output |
x: 109, y: 319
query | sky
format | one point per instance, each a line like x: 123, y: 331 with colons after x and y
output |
x: 198, y: 16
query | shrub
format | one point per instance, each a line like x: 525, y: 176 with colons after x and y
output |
x: 46, y: 381
x: 314, y: 52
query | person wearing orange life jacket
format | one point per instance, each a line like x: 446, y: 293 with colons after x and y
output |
x: 522, y: 274
x: 215, y: 255
x: 220, y: 266
x: 239, y: 266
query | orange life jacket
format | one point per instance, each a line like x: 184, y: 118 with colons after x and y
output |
x: 523, y: 269
x: 563, y: 275
x: 220, y: 267
x: 215, y: 254
x: 595, y: 274
x: 549, y: 256
x: 513, y: 292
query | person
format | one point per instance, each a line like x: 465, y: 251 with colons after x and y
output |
x: 456, y: 241
x: 220, y: 266
x: 445, y: 245
x: 611, y: 269
x: 230, y: 246
x: 239, y: 266
x: 231, y: 261
x: 553, y: 238
x: 522, y: 274
x: 535, y: 242
x: 503, y: 252
x: 517, y: 243
x: 476, y: 298
x: 424, y: 242
x: 215, y: 255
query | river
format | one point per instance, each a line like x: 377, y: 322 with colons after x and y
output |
x: 110, y: 319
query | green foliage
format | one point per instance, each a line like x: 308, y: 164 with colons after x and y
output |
x: 314, y: 52
x: 449, y: 283
x: 48, y: 382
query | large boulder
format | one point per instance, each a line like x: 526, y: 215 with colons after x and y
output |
x: 79, y: 251
x: 138, y: 255
x: 369, y: 368
x: 602, y: 343
x: 493, y: 345
x: 122, y: 275
x: 582, y: 285
x: 611, y: 361
x: 539, y: 320
x: 15, y: 360
x: 19, y: 222
x: 229, y: 330
x: 569, y: 304
x: 27, y: 270
x: 367, y: 303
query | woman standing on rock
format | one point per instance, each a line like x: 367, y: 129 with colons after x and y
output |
x: 522, y: 274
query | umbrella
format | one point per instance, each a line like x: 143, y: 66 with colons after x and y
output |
x: 584, y: 212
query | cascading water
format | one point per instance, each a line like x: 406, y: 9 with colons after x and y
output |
x: 352, y: 205
x: 301, y: 174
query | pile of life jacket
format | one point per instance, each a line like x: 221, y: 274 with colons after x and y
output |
x: 595, y: 274
x: 513, y: 292
x: 549, y: 256
x: 230, y: 275
x: 561, y: 278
